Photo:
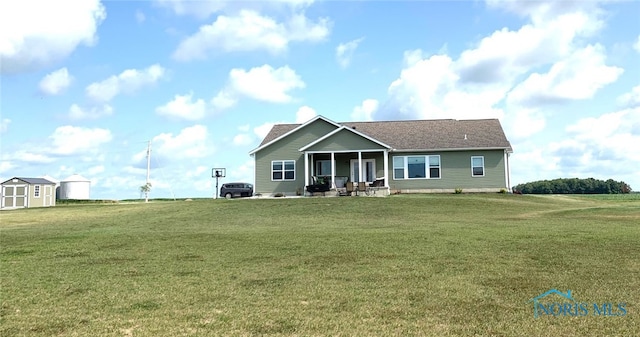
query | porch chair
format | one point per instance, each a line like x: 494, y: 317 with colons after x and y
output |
x: 350, y: 188
x: 362, y: 187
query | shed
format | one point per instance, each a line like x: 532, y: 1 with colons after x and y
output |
x: 20, y: 192
x: 56, y: 181
x: 75, y: 187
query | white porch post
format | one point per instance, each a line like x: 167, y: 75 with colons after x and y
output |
x: 306, y: 170
x: 313, y: 167
x: 333, y: 170
x: 386, y: 168
x: 360, y: 166
x: 507, y: 170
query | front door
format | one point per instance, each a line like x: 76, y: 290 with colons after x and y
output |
x: 369, y: 170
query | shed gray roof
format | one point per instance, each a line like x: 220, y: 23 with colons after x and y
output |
x: 437, y: 134
x: 40, y: 181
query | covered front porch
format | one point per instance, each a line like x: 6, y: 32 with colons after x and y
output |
x: 346, y: 161
x: 361, y: 172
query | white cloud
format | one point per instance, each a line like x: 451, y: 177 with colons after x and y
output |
x: 225, y: 99
x: 5, y: 166
x: 199, y: 178
x: 539, y: 11
x: 249, y: 31
x: 129, y: 81
x: 265, y: 83
x: 71, y: 140
x: 262, y: 130
x: 83, y: 145
x: 507, y: 54
x: 478, y: 83
x: 4, y: 125
x: 524, y: 122
x: 32, y: 157
x: 242, y: 139
x: 243, y: 172
x: 95, y: 170
x: 77, y: 113
x: 183, y: 107
x: 578, y: 76
x: 191, y: 142
x: 345, y: 51
x: 304, y: 114
x: 300, y: 28
x: 204, y: 9
x: 36, y: 34
x: 630, y: 99
x: 603, y: 145
x: 365, y: 111
x: 261, y: 83
x: 430, y: 88
x: 636, y: 45
x: 55, y: 82
x: 199, y: 9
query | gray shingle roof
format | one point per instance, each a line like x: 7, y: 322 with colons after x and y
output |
x: 438, y: 134
x: 40, y: 181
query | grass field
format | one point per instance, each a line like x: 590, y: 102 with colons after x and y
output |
x: 406, y: 265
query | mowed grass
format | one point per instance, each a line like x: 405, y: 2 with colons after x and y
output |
x: 406, y: 265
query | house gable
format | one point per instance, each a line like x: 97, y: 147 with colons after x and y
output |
x: 344, y: 139
x: 286, y: 147
x: 280, y: 132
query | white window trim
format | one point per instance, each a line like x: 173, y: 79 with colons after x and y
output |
x: 352, y: 163
x: 406, y: 167
x: 483, y: 169
x: 283, y: 170
x: 36, y: 191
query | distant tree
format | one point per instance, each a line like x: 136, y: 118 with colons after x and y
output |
x: 146, y: 188
x: 573, y: 186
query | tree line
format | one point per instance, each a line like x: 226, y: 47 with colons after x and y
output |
x: 573, y: 186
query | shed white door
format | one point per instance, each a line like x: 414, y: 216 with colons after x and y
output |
x: 14, y: 196
x: 47, y: 196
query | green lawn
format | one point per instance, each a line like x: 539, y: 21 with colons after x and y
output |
x: 406, y: 265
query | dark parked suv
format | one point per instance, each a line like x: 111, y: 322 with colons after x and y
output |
x: 232, y: 190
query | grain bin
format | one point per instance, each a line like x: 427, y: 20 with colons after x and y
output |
x: 75, y: 187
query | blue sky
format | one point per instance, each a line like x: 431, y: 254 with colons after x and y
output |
x: 86, y: 84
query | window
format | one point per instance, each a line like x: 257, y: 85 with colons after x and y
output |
x: 398, y: 167
x: 323, y: 167
x: 434, y: 166
x: 36, y: 191
x: 369, y: 170
x: 283, y: 170
x: 477, y: 166
x: 415, y: 167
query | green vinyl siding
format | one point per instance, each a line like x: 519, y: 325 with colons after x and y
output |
x: 287, y: 149
x: 456, y: 171
x: 345, y: 140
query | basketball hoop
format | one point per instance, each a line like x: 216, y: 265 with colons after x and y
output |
x: 218, y: 173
